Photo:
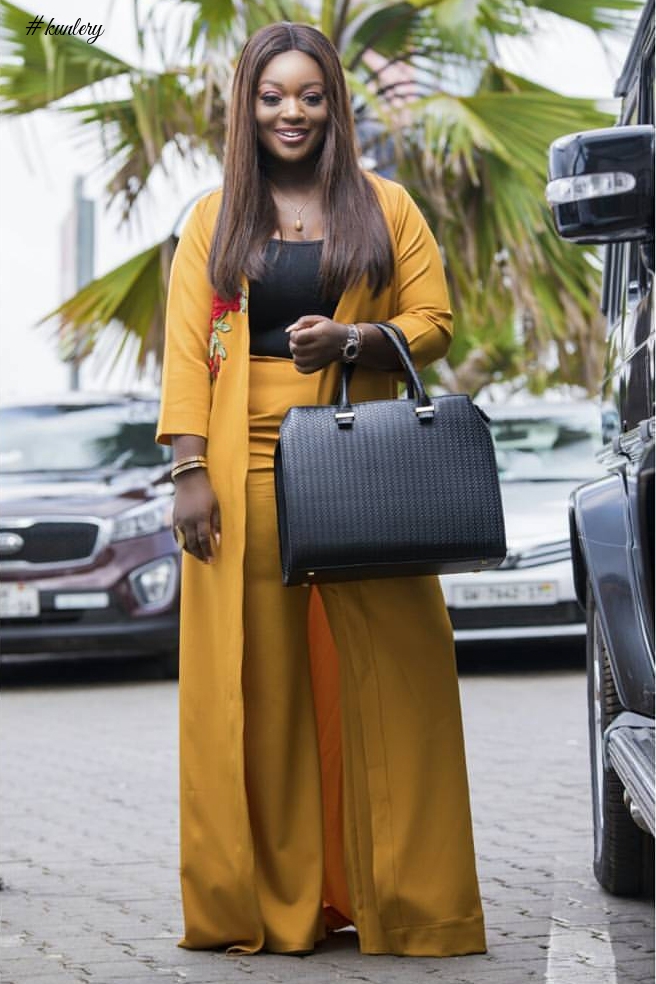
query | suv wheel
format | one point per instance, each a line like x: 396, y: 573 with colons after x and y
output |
x: 168, y: 663
x: 623, y: 854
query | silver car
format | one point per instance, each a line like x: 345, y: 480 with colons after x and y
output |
x: 544, y: 451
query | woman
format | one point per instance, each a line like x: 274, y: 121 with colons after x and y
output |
x: 316, y: 791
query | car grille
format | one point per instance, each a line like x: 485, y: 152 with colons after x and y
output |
x: 53, y: 542
x: 563, y: 613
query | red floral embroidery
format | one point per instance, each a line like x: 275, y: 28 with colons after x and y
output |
x: 220, y: 308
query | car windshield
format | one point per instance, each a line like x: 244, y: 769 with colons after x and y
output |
x: 63, y: 438
x: 557, y: 446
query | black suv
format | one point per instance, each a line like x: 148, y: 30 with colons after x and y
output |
x: 601, y: 191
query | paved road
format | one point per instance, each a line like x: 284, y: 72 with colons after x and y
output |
x: 89, y: 842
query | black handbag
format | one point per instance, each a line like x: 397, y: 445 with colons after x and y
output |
x: 388, y: 487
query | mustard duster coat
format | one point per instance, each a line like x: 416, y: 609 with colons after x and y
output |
x: 216, y: 844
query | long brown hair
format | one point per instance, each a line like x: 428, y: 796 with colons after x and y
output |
x: 356, y: 239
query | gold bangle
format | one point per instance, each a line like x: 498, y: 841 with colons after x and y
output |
x: 185, y: 466
x: 181, y: 469
x: 192, y: 457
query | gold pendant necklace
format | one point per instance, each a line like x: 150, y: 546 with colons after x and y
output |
x: 298, y: 225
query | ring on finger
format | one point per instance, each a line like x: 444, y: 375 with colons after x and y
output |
x: 180, y: 538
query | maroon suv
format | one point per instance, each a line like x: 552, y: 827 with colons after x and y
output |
x: 88, y: 565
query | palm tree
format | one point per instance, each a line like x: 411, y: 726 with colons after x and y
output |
x: 467, y: 137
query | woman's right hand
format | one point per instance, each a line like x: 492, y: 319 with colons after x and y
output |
x: 196, y: 514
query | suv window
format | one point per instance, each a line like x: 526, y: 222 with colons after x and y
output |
x: 63, y: 438
x: 549, y: 446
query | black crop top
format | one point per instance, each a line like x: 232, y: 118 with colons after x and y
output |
x: 289, y: 289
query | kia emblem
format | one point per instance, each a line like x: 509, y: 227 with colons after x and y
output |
x: 11, y: 543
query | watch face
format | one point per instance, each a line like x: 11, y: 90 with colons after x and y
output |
x: 351, y: 347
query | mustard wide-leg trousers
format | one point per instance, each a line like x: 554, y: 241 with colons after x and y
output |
x: 408, y: 853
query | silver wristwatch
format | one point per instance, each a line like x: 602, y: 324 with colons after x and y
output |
x: 351, y: 347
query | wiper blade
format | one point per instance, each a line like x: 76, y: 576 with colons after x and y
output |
x: 118, y: 462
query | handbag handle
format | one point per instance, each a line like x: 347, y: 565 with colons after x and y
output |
x: 425, y: 410
x: 409, y: 384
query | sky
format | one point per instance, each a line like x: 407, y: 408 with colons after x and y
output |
x: 42, y: 154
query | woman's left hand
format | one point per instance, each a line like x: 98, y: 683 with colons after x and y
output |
x: 315, y: 341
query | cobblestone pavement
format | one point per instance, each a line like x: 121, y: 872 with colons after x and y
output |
x: 89, y: 846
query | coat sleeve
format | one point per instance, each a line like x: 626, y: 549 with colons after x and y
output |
x: 185, y: 398
x: 424, y: 310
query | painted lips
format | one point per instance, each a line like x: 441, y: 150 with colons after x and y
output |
x: 291, y: 136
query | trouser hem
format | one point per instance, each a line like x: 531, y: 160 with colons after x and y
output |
x: 437, y: 940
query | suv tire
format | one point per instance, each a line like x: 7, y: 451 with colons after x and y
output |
x: 169, y: 664
x: 623, y: 854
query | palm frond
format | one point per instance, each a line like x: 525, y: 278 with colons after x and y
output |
x: 433, y: 29
x: 615, y: 16
x: 528, y: 121
x: 478, y: 166
x: 131, y: 296
x: 38, y: 69
x: 214, y: 18
x: 162, y: 111
x: 383, y: 27
x: 517, y: 127
x: 450, y: 130
x: 327, y: 17
x: 256, y: 15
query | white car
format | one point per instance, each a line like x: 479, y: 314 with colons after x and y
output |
x: 544, y: 451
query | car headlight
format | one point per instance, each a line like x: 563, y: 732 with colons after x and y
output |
x: 144, y: 519
x: 154, y: 584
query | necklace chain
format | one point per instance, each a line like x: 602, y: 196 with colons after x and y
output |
x: 298, y: 225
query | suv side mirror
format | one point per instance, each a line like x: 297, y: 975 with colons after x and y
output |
x: 601, y: 184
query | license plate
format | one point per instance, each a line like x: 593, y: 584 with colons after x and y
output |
x: 488, y: 595
x: 19, y: 601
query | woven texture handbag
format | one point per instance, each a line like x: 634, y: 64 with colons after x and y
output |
x: 388, y: 487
